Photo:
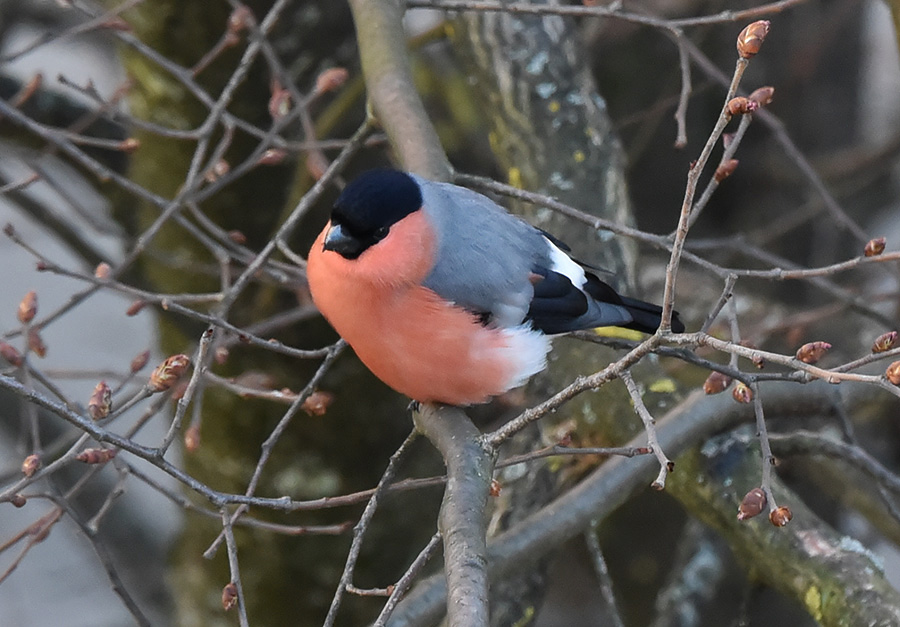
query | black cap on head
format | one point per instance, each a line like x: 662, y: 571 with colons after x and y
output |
x: 369, y: 206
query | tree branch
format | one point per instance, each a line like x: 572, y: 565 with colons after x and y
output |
x: 615, y: 481
x: 392, y: 94
x: 463, y: 520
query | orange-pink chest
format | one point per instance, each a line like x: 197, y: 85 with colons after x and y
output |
x: 414, y: 341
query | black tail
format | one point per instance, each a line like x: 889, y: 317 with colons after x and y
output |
x: 558, y: 306
x: 645, y: 316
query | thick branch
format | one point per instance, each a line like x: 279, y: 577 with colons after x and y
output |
x: 463, y: 521
x: 382, y: 49
x: 614, y: 482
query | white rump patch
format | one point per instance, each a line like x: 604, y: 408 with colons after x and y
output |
x: 527, y: 349
x: 565, y: 265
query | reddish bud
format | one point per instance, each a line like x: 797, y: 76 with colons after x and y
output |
x: 140, y: 360
x: 751, y: 39
x: 192, y: 438
x: 168, y: 372
x: 740, y: 106
x: 129, y: 145
x: 17, y: 500
x: 279, y: 101
x: 317, y: 403
x: 135, y: 307
x: 754, y: 503
x: 716, y: 382
x: 273, y: 156
x: 742, y: 392
x: 221, y: 355
x: 27, y: 307
x: 31, y: 465
x: 725, y: 170
x: 874, y: 247
x: 10, y: 354
x: 102, y: 271
x: 780, y: 516
x: 96, y: 455
x: 812, y: 352
x: 237, y: 237
x: 495, y: 488
x: 331, y: 79
x: 884, y: 342
x: 240, y: 19
x: 100, y: 402
x: 893, y: 373
x: 762, y: 96
x: 229, y: 596
x: 36, y: 343
x: 220, y: 169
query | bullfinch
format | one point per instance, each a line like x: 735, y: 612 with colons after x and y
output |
x: 445, y: 296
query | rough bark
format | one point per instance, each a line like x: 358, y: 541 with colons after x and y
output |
x: 551, y: 133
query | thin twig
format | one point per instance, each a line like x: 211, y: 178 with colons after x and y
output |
x: 666, y: 465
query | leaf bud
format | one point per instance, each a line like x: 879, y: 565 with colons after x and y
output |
x: 753, y: 504
x: 100, y: 402
x: 884, y: 342
x: 331, y: 79
x: 751, y: 38
x: 812, y: 352
x: 716, y: 382
x: 140, y: 360
x: 317, y: 403
x: 741, y: 105
x: 742, y: 393
x: 762, y: 96
x: 272, y: 156
x: 135, y: 307
x: 874, y: 247
x: 31, y: 465
x: 27, y: 307
x: 192, y: 438
x: 780, y: 516
x: 725, y: 170
x: 229, y: 596
x: 168, y: 372
x: 36, y: 343
x: 11, y: 354
x: 893, y: 373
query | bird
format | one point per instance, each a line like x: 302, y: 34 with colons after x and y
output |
x: 447, y: 297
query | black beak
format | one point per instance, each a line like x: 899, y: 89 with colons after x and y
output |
x: 342, y: 242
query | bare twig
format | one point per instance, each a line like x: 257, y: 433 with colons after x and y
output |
x: 666, y: 465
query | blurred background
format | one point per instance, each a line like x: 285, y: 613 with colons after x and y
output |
x: 834, y: 65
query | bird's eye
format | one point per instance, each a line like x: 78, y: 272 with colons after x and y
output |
x: 381, y: 233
